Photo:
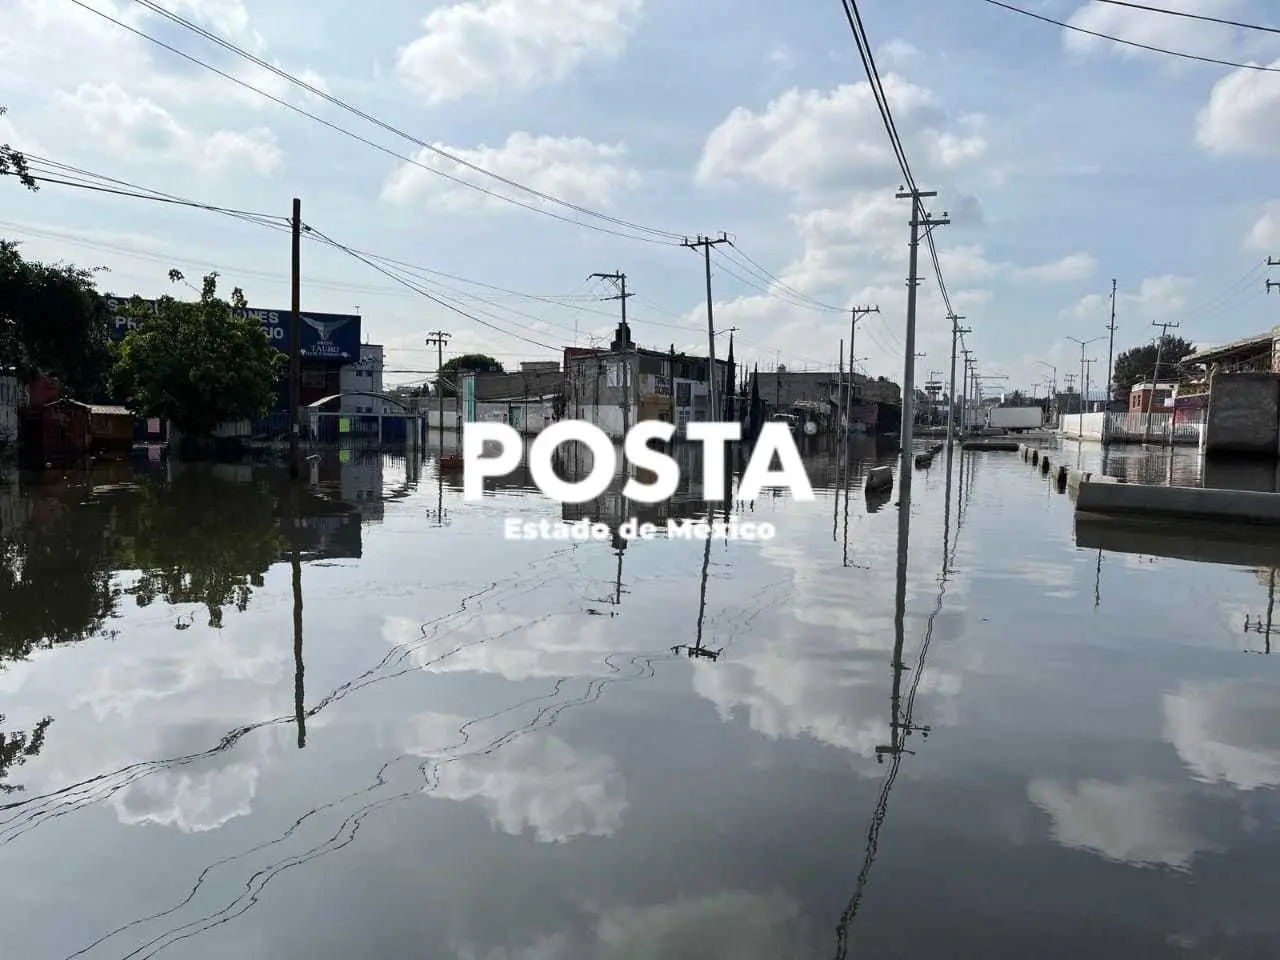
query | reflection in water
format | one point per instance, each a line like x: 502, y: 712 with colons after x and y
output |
x: 16, y: 748
x: 299, y: 669
x: 901, y: 724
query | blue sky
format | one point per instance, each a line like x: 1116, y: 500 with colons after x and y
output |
x: 1063, y: 162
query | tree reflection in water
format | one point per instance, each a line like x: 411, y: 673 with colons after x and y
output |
x: 72, y: 547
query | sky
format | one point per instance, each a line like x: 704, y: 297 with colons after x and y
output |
x: 1062, y: 161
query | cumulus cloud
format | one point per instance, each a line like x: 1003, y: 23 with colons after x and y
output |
x: 140, y: 130
x: 1171, y: 33
x: 1157, y: 298
x: 1227, y: 731
x: 809, y: 142
x: 1264, y: 235
x: 1242, y: 115
x: 729, y: 924
x: 570, y: 168
x: 539, y: 783
x: 492, y: 46
x: 1138, y: 822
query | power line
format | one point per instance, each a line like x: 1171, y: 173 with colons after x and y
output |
x: 1204, y: 18
x: 176, y: 201
x: 655, y: 235
x: 1131, y: 43
x: 86, y: 179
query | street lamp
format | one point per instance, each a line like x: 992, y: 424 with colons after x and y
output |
x: 1053, y: 387
x: 1083, y: 384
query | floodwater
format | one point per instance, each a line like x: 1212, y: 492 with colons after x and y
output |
x: 989, y: 744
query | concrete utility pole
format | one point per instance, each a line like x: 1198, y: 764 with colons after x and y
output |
x: 619, y: 279
x: 1084, y: 399
x: 438, y: 338
x: 919, y: 218
x: 1053, y: 386
x: 295, y: 340
x: 1273, y: 284
x: 964, y: 391
x: 956, y: 333
x: 1155, y: 375
x: 855, y: 314
x: 1111, y: 343
x: 1088, y: 369
x: 706, y: 243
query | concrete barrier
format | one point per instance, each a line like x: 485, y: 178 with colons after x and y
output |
x: 1044, y: 466
x: 879, y: 479
x: 992, y: 446
x: 1189, y: 503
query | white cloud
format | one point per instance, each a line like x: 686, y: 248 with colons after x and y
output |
x: 1264, y: 235
x: 1157, y: 298
x: 1171, y: 33
x: 1074, y: 266
x: 492, y: 46
x: 1242, y: 115
x: 540, y: 783
x: 571, y: 168
x: 1139, y: 822
x: 60, y: 42
x: 731, y: 923
x: 1226, y: 731
x: 138, y: 129
x: 810, y: 142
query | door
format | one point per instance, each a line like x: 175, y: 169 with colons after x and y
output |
x: 515, y: 417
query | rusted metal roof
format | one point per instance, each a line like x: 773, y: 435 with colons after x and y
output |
x: 109, y: 410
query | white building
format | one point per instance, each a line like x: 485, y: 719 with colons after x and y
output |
x: 365, y: 376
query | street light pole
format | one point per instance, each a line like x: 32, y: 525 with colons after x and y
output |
x: 1083, y: 399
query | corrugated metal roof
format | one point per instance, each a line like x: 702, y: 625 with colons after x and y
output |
x: 107, y: 410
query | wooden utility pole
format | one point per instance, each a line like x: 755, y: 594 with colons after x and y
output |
x: 619, y: 279
x: 438, y: 339
x: 706, y: 243
x: 295, y: 341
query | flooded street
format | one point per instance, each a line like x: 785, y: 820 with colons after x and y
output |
x: 952, y: 733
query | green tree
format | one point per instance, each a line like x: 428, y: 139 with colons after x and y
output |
x: 14, y: 164
x: 198, y: 365
x: 477, y: 362
x: 1138, y: 365
x: 53, y: 322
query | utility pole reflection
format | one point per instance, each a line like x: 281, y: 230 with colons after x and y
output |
x: 295, y: 561
x: 900, y: 724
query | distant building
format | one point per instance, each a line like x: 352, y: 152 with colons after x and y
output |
x: 539, y: 366
x: 616, y: 388
x: 356, y: 380
x: 1144, y: 397
x: 527, y: 401
x: 875, y: 407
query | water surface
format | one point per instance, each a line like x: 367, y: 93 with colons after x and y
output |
x: 991, y: 743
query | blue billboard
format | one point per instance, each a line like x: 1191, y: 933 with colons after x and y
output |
x: 325, y: 336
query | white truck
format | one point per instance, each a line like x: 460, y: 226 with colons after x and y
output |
x: 1016, y: 419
